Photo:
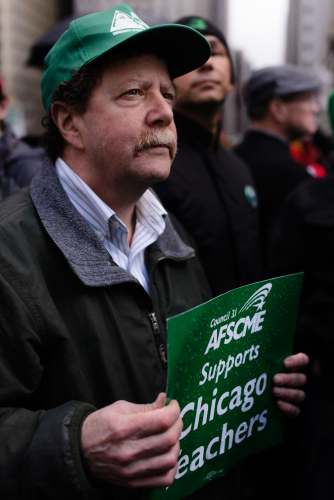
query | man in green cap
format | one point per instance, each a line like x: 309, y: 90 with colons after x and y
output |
x: 91, y: 266
x: 86, y: 288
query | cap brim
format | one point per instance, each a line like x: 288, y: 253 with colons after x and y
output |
x: 184, y: 49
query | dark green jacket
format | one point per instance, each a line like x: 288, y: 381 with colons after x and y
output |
x: 75, y: 335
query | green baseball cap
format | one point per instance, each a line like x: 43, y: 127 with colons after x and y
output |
x: 89, y: 37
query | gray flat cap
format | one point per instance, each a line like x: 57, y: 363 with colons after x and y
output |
x: 277, y: 81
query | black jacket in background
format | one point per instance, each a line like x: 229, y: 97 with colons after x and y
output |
x: 304, y: 241
x: 206, y: 191
x: 274, y: 171
x: 19, y: 163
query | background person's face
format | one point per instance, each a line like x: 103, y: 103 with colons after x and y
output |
x: 211, y: 83
x: 302, y: 115
x: 135, y: 97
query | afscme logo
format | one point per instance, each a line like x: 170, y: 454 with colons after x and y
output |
x: 238, y: 328
x: 257, y: 299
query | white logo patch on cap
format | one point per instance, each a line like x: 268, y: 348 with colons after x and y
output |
x: 122, y: 23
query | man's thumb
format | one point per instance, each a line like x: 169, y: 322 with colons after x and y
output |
x: 158, y: 403
x: 132, y: 408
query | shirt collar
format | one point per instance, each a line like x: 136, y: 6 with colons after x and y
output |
x: 97, y: 213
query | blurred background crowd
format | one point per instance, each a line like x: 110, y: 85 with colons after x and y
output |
x: 290, y: 180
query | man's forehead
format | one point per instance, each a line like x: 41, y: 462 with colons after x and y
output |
x: 214, y: 41
x: 137, y: 69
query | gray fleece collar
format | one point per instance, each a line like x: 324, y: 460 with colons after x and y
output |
x: 85, y: 254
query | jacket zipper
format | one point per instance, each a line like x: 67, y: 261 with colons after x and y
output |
x: 156, y: 329
x: 158, y: 340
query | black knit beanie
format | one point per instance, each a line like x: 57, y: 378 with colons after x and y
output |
x: 206, y: 27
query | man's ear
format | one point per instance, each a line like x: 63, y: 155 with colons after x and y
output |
x: 67, y: 122
x: 4, y: 107
x: 277, y: 109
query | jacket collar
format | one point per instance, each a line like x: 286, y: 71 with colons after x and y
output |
x: 195, y: 133
x: 259, y: 132
x: 83, y: 251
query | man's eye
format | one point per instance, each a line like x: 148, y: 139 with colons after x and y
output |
x: 133, y: 92
x: 216, y: 53
x: 170, y: 97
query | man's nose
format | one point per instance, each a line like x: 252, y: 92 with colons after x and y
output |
x: 160, y: 113
x: 207, y: 66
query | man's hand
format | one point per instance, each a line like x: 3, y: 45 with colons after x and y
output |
x: 287, y: 384
x: 131, y: 445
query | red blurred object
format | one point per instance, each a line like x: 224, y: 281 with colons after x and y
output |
x: 2, y: 91
x: 305, y: 152
x: 316, y: 170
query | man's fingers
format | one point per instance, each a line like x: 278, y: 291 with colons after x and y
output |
x: 150, y: 472
x: 293, y: 395
x: 128, y: 447
x: 153, y: 422
x: 290, y: 379
x: 296, y: 362
x: 160, y: 443
x: 289, y: 409
x: 148, y: 466
x: 283, y: 382
x: 158, y: 481
x: 145, y: 420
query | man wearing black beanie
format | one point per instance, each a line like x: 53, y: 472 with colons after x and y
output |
x: 210, y: 190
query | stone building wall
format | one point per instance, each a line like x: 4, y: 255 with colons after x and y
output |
x: 171, y: 9
x: 22, y: 22
x: 310, y: 44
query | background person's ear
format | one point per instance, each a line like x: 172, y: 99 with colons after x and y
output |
x: 4, y: 108
x: 277, y: 109
x: 66, y: 122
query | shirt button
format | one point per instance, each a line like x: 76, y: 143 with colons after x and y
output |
x: 99, y: 234
x: 115, y: 224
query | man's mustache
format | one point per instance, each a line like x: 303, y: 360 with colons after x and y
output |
x: 159, y: 137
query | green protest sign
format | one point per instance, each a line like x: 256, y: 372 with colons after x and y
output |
x: 222, y: 358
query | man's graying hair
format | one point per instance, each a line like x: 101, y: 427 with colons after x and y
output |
x: 76, y: 94
x: 77, y: 91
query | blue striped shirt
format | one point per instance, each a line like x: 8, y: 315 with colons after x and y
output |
x: 110, y: 229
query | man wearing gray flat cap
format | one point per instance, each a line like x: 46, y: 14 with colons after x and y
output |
x: 282, y: 105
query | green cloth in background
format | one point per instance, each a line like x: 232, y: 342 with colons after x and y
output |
x: 331, y: 109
